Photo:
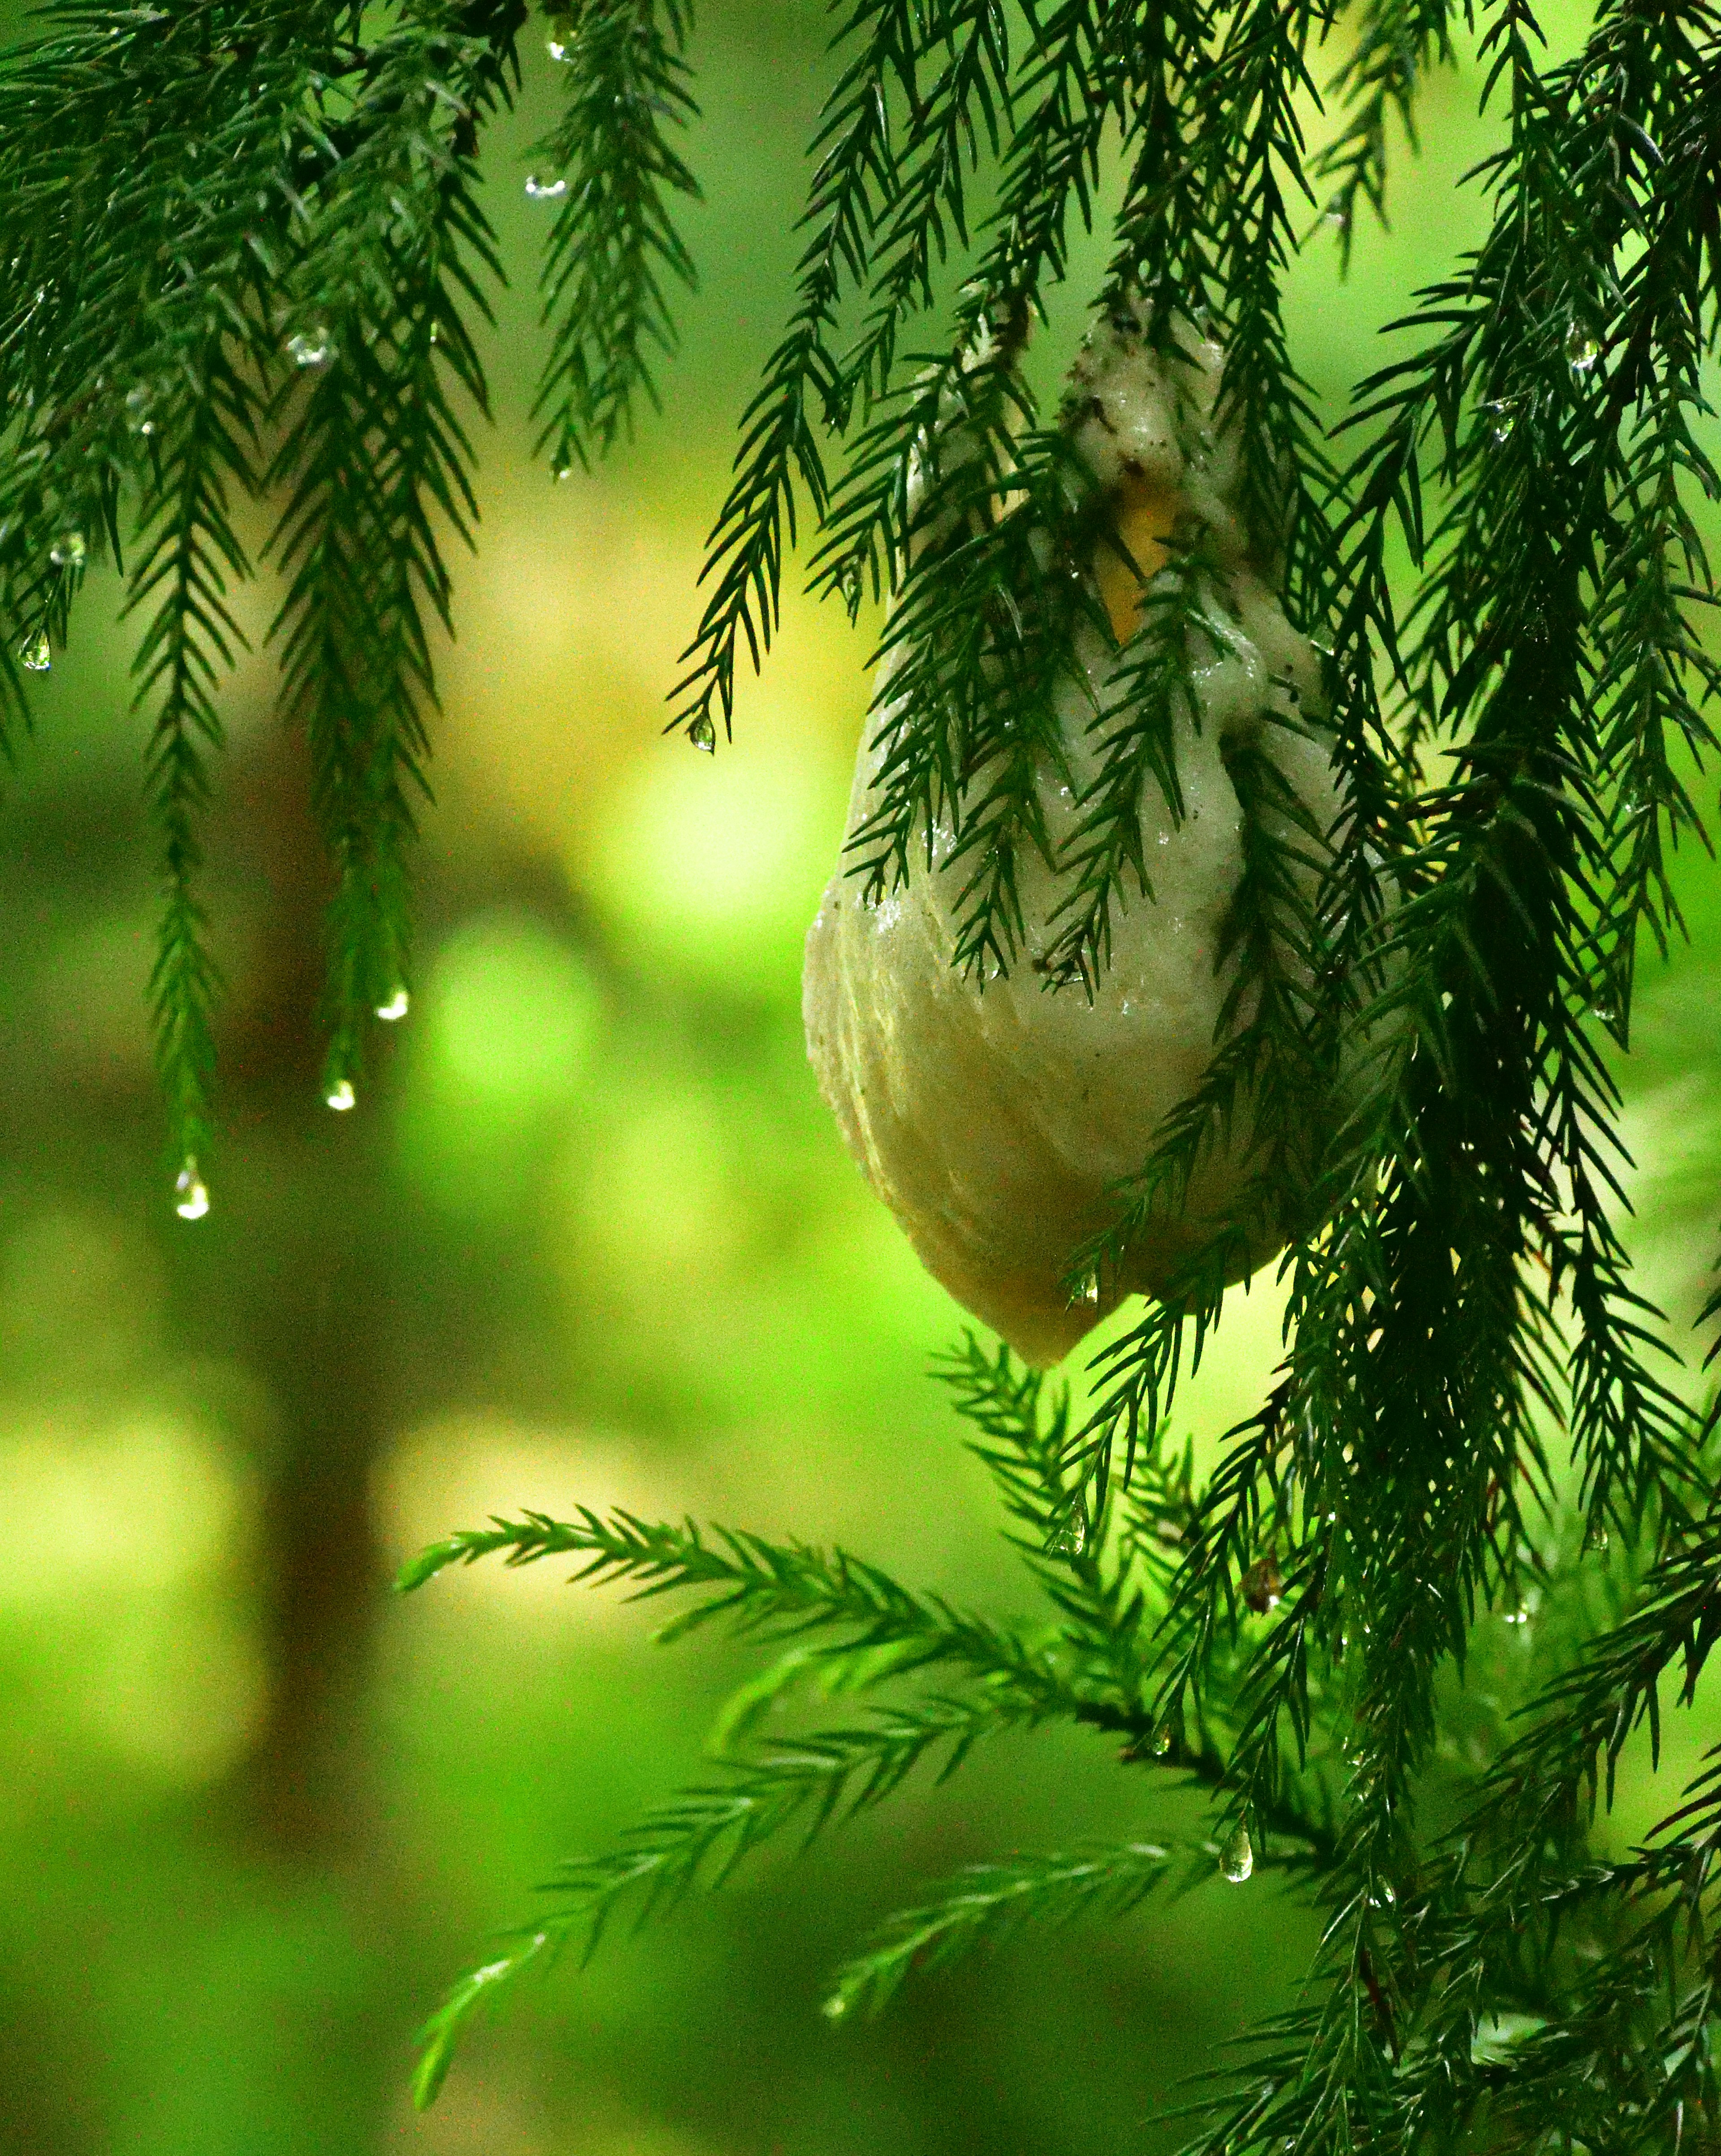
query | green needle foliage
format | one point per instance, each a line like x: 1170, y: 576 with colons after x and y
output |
x: 243, y: 256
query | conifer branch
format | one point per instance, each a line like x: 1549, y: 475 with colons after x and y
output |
x: 784, y: 1589
x: 700, y: 1838
x: 190, y: 639
x: 610, y: 163
x: 1396, y: 42
x: 856, y: 181
x: 377, y: 454
x: 987, y: 1904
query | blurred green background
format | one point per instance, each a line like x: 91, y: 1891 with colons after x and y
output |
x: 590, y: 1237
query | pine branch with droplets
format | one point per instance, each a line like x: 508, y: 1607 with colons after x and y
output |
x: 610, y: 167
x: 376, y: 453
x: 189, y: 555
x: 856, y: 1631
x: 232, y: 225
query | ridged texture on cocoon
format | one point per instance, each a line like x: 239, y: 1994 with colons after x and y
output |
x: 991, y: 1116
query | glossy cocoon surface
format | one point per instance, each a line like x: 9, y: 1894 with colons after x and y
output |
x: 991, y: 1116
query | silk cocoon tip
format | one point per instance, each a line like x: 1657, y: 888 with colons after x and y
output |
x: 991, y: 1116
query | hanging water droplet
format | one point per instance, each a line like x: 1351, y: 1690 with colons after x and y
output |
x: 33, y: 654
x: 703, y: 735
x: 835, y: 2008
x: 1336, y: 217
x: 1581, y: 350
x: 191, y: 1195
x: 310, y: 349
x: 1069, y: 1538
x: 537, y: 190
x: 1502, y: 418
x: 341, y: 1097
x: 138, y: 404
x: 395, y: 1007
x: 561, y: 472
x: 1162, y: 1742
x: 560, y: 47
x: 1236, y: 1860
x: 68, y: 552
x: 1262, y: 1586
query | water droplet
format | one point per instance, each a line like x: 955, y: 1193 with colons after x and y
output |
x: 396, y: 1007
x: 138, y: 405
x: 1069, y: 1538
x: 1581, y: 350
x: 563, y: 472
x: 537, y: 190
x: 560, y: 49
x: 1088, y: 1288
x: 1502, y: 418
x: 1262, y: 1586
x: 68, y: 552
x: 310, y: 349
x: 703, y: 735
x: 1336, y: 217
x: 191, y: 1195
x: 1162, y: 1742
x: 1236, y: 1860
x: 835, y: 2008
x: 341, y: 1097
x: 33, y: 654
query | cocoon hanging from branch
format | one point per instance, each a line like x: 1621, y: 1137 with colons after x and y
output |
x: 992, y: 1112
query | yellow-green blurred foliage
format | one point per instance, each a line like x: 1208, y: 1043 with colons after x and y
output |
x: 590, y: 1237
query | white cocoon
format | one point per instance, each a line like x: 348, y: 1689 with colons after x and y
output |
x: 991, y: 1116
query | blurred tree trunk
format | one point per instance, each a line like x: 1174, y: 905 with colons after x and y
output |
x: 310, y: 1302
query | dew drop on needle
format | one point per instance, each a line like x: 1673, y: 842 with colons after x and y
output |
x: 309, y: 349
x: 1069, y: 1538
x: 68, y: 550
x: 1236, y: 1860
x: 703, y: 735
x: 191, y: 1195
x: 341, y: 1097
x: 33, y: 654
x: 397, y: 1007
x: 1581, y: 350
